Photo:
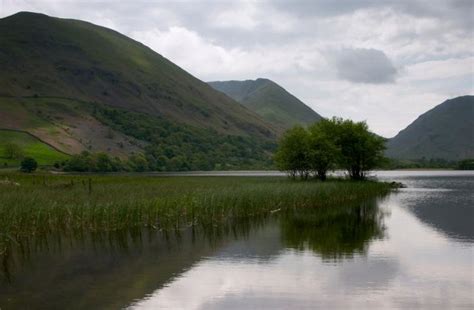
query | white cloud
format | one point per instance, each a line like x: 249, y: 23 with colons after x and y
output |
x: 439, y: 69
x: 209, y: 61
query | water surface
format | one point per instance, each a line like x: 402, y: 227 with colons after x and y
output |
x: 412, y: 249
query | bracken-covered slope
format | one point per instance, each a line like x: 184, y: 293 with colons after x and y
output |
x: 43, y: 56
x: 268, y: 99
x: 446, y: 132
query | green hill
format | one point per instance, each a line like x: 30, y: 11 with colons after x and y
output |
x: 31, y: 146
x: 444, y: 132
x: 269, y: 100
x: 58, y: 76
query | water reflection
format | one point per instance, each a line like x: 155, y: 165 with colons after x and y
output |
x: 333, y: 233
x: 445, y: 202
x: 91, y: 267
x: 96, y: 271
x: 402, y: 251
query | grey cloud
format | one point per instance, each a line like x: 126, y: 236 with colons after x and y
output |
x: 360, y: 65
x: 415, y: 31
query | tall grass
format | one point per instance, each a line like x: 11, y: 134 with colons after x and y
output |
x: 39, y: 204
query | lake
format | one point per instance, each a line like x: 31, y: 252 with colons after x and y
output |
x: 411, y: 249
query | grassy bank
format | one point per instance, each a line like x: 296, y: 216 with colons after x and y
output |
x: 30, y: 146
x: 37, y: 204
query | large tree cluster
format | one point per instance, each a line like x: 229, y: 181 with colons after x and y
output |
x: 327, y: 145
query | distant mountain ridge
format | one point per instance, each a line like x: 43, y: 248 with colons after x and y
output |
x: 445, y: 132
x: 269, y: 100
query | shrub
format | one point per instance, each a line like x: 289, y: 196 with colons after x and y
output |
x: 28, y: 164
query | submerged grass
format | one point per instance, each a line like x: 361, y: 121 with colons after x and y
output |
x: 42, y: 204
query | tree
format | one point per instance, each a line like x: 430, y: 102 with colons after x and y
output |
x: 359, y: 149
x: 292, y: 154
x: 28, y: 164
x: 80, y: 162
x: 348, y: 144
x: 13, y: 151
x: 138, y: 163
x: 322, y: 148
x: 103, y: 163
x: 466, y: 164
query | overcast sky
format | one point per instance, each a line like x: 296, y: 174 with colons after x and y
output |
x: 385, y: 62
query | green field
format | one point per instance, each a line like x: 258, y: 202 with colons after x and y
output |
x: 43, y: 204
x: 31, y: 146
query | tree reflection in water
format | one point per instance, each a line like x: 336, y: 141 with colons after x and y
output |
x: 334, y: 233
x: 91, y: 267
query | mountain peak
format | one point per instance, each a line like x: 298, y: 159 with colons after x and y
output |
x: 46, y: 57
x: 446, y: 132
x: 268, y: 99
x: 27, y: 14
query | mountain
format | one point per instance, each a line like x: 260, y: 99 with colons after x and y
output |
x: 68, y: 82
x: 269, y: 100
x: 445, y: 132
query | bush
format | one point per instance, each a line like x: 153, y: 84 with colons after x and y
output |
x: 466, y: 164
x: 28, y: 165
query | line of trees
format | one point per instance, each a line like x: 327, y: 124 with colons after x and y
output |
x: 102, y: 162
x: 327, y: 145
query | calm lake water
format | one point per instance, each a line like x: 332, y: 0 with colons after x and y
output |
x: 411, y: 249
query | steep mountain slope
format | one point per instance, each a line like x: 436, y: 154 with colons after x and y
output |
x: 69, y: 82
x: 446, y: 131
x: 46, y: 56
x: 269, y: 100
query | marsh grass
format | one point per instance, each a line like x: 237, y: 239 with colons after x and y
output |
x: 32, y: 205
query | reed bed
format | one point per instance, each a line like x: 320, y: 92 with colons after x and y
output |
x: 42, y: 204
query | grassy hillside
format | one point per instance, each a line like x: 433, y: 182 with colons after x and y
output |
x: 55, y: 74
x: 446, y: 132
x: 66, y: 124
x: 46, y: 56
x: 31, y: 146
x: 269, y: 100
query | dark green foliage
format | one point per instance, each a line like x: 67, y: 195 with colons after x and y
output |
x: 28, y: 164
x: 177, y: 147
x: 359, y: 149
x: 345, y: 143
x: 467, y: 164
x: 350, y: 230
x: 293, y: 154
x: 322, y: 148
x: 87, y: 162
x: 138, y: 163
